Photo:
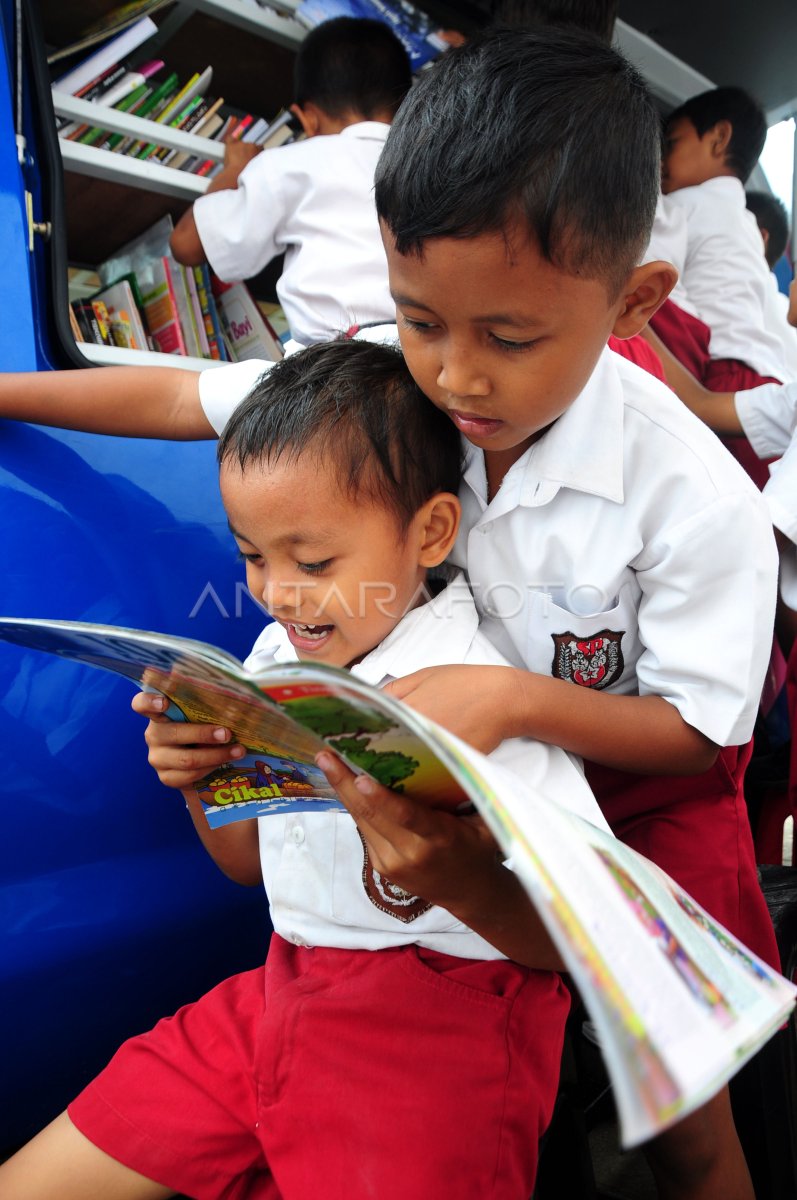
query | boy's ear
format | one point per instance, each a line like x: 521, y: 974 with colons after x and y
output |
x: 719, y: 139
x: 309, y: 118
x: 437, y: 524
x: 645, y: 290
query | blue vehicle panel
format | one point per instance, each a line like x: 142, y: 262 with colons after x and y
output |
x: 111, y: 912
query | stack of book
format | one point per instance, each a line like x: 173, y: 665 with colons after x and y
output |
x: 146, y: 300
x: 119, y: 76
x: 421, y: 37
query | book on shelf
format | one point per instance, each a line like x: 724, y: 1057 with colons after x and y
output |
x: 678, y: 1003
x: 109, y: 55
x: 247, y: 330
x: 154, y: 104
x: 124, y: 315
x: 159, y: 304
x: 210, y: 316
x: 420, y: 36
x: 117, y: 20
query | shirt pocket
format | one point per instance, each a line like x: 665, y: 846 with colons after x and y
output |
x: 596, y: 650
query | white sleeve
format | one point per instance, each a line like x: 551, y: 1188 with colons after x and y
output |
x: 221, y: 389
x: 769, y: 417
x: 707, y: 632
x: 238, y: 227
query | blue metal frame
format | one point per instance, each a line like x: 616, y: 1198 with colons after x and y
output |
x: 111, y: 913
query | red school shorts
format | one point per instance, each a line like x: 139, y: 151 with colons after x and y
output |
x: 397, y: 1074
x: 697, y: 829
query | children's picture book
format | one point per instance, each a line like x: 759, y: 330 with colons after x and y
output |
x: 247, y: 331
x: 678, y: 1003
x: 416, y: 31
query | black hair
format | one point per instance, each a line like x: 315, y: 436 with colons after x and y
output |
x: 352, y: 65
x: 770, y: 213
x: 596, y: 16
x: 356, y: 404
x: 745, y: 116
x: 551, y: 129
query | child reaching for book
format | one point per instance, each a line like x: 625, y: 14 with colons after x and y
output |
x: 313, y: 200
x: 619, y: 558
x: 339, y: 483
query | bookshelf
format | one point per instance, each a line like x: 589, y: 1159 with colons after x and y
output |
x: 109, y: 198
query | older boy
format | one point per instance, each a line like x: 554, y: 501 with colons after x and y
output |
x: 385, y: 1049
x: 312, y: 201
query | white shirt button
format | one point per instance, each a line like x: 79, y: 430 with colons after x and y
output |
x: 486, y: 527
x: 297, y: 835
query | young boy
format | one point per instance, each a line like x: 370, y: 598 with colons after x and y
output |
x: 619, y: 557
x: 312, y: 201
x: 712, y: 143
x: 385, y: 1049
x: 773, y: 224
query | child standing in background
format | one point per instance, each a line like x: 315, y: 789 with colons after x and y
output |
x: 313, y: 200
x: 711, y: 144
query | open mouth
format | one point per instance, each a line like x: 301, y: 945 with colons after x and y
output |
x: 308, y: 637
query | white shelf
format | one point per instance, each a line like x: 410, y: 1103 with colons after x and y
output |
x: 120, y: 168
x: 119, y: 356
x: 282, y: 30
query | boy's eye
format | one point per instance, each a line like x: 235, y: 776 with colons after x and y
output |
x: 506, y: 344
x: 417, y: 326
x: 314, y: 568
x: 255, y: 559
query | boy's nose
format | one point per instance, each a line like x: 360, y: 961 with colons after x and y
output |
x: 461, y: 376
x: 281, y: 597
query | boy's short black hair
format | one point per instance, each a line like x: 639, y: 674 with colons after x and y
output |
x: 356, y: 404
x: 745, y: 115
x: 770, y: 213
x: 352, y: 65
x: 596, y: 16
x: 549, y: 129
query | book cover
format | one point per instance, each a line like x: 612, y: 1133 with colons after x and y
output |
x: 113, y: 22
x: 248, y: 333
x: 126, y: 324
x: 109, y: 54
x: 159, y: 306
x: 196, y: 311
x: 678, y: 1003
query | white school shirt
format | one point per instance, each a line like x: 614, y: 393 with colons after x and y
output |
x: 726, y: 274
x: 769, y: 418
x: 313, y: 201
x: 312, y: 863
x: 627, y: 550
x: 668, y: 239
x: 628, y: 517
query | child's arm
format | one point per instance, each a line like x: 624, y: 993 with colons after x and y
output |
x: 185, y: 242
x: 182, y: 753
x: 716, y: 409
x: 154, y: 402
x: 450, y: 861
x: 486, y: 705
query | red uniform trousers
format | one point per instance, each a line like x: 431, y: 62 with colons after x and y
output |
x: 396, y: 1074
x: 696, y: 828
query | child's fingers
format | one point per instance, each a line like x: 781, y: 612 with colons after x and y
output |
x: 149, y: 704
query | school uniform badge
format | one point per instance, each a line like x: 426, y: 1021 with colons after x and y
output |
x: 593, y: 662
x: 389, y: 897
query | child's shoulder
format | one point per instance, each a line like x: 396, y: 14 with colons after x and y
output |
x: 663, y: 439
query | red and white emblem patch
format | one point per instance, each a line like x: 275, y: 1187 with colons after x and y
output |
x: 592, y: 662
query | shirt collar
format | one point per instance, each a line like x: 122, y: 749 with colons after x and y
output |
x: 582, y: 449
x: 435, y: 634
x: 373, y: 130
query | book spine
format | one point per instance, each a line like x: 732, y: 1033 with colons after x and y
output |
x: 201, y: 280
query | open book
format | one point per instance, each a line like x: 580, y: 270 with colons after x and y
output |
x: 678, y: 1003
